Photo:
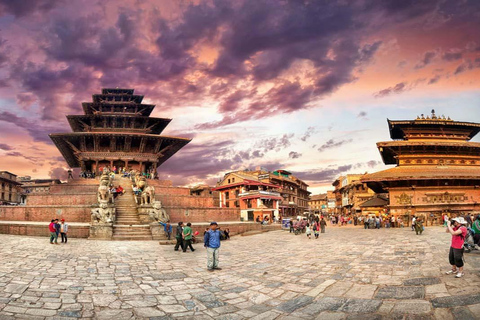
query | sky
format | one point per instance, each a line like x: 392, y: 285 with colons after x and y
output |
x: 301, y: 85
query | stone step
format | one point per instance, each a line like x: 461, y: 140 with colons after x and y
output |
x: 138, y: 233
x: 128, y: 222
x: 131, y: 238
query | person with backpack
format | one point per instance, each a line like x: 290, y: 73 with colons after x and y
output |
x: 211, y: 241
x: 455, y: 256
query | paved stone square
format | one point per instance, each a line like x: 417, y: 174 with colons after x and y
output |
x: 349, y: 273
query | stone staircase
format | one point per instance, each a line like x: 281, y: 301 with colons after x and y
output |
x: 127, y: 225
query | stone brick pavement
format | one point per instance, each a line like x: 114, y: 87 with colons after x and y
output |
x: 349, y: 273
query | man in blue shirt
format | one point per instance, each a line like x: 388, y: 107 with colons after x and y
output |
x: 211, y: 241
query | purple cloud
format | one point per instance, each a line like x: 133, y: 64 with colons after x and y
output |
x: 333, y: 144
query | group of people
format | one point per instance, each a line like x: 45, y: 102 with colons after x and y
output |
x: 211, y: 240
x: 87, y: 174
x: 58, y: 227
x: 376, y: 222
x: 117, y: 191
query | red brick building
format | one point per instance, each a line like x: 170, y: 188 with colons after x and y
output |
x: 260, y: 193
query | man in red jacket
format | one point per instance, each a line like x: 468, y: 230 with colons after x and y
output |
x: 53, y: 232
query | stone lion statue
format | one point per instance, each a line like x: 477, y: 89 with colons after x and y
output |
x: 148, y: 195
x: 158, y: 213
x: 104, y: 214
x: 140, y: 181
x: 104, y: 188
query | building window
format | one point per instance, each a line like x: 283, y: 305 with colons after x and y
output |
x: 233, y: 179
x: 249, y: 203
x: 228, y: 180
x: 227, y: 195
x: 227, y: 204
x: 237, y: 204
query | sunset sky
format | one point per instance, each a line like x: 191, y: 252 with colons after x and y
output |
x: 305, y: 86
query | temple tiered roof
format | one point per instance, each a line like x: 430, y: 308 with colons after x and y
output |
x: 117, y: 129
x: 429, y: 149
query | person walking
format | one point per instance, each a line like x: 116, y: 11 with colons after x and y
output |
x: 413, y: 223
x: 308, y: 231
x: 187, y: 237
x: 63, y: 230
x: 291, y: 225
x: 179, y: 236
x: 455, y: 256
x: 211, y: 241
x: 323, y: 224
x: 53, y: 232
x: 316, y: 229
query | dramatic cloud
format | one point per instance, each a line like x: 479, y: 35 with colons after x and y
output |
x: 435, y: 79
x: 39, y: 132
x: 294, y: 155
x: 426, y: 60
x: 308, y: 133
x: 275, y: 144
x: 25, y: 7
x: 398, y: 88
x: 333, y: 144
x: 5, y: 147
x: 327, y: 175
x: 452, y: 55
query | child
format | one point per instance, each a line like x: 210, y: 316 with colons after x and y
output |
x: 308, y: 231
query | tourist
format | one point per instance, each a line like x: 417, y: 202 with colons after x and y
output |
x: 113, y: 191
x: 291, y: 225
x: 418, y: 226
x: 179, y: 236
x: 120, y: 190
x: 53, y: 232
x: 167, y: 228
x: 413, y: 223
x: 377, y: 222
x: 211, y: 241
x: 227, y: 233
x: 187, y: 238
x: 445, y: 220
x: 365, y: 223
x: 468, y: 218
x: 57, y: 227
x: 476, y: 225
x: 393, y: 221
x: 458, y: 232
x: 355, y: 220
x: 258, y: 219
x: 323, y: 224
x: 308, y: 231
x: 63, y: 231
x: 316, y: 229
x: 400, y: 222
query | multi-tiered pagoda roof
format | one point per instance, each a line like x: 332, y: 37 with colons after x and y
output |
x: 430, y: 150
x: 117, y: 130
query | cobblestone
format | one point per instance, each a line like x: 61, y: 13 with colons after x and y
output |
x: 349, y: 273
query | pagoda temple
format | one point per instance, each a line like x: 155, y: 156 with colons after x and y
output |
x: 116, y: 130
x: 437, y: 168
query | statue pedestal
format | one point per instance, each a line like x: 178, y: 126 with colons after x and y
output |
x: 144, y: 213
x: 157, y: 230
x: 101, y: 232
